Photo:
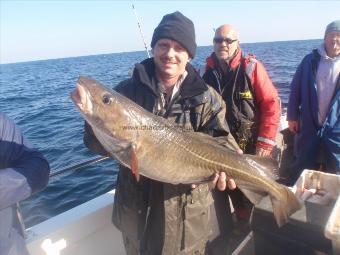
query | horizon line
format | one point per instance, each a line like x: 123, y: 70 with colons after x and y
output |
x: 66, y: 57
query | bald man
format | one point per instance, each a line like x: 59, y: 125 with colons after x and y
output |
x: 253, y: 107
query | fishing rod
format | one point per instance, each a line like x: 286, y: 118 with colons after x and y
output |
x: 79, y: 165
x: 140, y: 30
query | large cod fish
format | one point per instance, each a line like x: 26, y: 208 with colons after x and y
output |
x: 156, y: 148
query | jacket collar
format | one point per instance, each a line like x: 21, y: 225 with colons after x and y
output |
x: 193, y: 84
x: 212, y: 61
x: 315, y: 62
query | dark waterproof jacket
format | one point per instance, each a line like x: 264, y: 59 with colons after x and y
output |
x: 23, y: 171
x: 303, y: 106
x: 160, y: 218
x: 17, y: 154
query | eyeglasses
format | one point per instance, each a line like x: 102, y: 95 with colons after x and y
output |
x: 221, y: 40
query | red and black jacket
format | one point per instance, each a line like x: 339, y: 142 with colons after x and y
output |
x: 253, y: 105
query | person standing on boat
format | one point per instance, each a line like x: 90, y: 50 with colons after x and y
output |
x: 253, y: 106
x: 155, y: 217
x: 313, y: 107
x: 23, y: 172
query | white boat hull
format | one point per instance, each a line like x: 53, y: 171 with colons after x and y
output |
x: 85, y: 230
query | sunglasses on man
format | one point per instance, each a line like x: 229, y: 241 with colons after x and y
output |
x: 221, y: 40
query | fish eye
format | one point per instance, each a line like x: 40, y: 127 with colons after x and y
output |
x: 107, y: 99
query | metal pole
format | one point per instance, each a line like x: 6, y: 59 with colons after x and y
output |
x: 20, y: 220
x: 140, y: 30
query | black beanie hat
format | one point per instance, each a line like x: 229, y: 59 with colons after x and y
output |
x: 177, y: 27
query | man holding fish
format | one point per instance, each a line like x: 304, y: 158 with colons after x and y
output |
x: 162, y: 218
x: 149, y: 126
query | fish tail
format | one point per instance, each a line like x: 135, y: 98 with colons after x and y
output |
x: 285, y: 206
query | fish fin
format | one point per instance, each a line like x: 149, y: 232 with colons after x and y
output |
x: 268, y: 165
x: 254, y: 196
x: 218, y: 142
x: 134, y: 163
x: 284, y: 208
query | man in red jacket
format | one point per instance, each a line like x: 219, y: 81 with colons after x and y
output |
x: 253, y: 105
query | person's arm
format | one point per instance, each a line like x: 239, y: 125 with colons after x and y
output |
x: 23, y: 169
x: 293, y: 109
x: 269, y: 108
x: 13, y: 188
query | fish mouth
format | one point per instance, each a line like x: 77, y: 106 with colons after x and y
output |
x: 82, y: 99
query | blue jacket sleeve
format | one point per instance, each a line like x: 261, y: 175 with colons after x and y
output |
x: 294, y: 102
x: 17, y: 154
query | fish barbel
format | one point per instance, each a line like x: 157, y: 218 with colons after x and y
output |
x: 158, y: 149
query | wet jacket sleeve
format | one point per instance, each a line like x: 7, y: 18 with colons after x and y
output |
x: 23, y: 169
x: 268, y: 103
x: 293, y: 108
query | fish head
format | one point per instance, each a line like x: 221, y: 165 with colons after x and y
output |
x: 105, y: 110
